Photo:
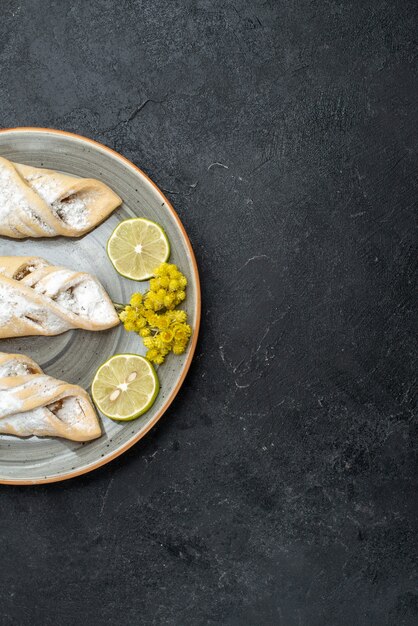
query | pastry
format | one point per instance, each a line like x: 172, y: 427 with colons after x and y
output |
x: 36, y: 202
x: 32, y: 403
x: 37, y: 298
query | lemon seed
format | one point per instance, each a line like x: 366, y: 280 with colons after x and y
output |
x: 114, y: 395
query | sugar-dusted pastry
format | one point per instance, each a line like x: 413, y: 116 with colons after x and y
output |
x: 37, y: 298
x: 32, y: 403
x: 35, y: 202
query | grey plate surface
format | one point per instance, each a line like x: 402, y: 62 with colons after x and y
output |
x: 76, y: 355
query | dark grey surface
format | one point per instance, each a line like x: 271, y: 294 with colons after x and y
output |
x: 279, y: 488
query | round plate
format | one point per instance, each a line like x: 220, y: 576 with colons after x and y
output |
x: 76, y: 355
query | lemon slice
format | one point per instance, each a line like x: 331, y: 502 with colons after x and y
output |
x: 125, y: 386
x: 136, y: 247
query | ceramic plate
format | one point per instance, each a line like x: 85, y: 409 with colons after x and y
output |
x: 76, y: 355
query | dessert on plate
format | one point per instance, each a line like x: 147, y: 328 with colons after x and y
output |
x: 32, y: 403
x: 36, y: 202
x: 38, y: 298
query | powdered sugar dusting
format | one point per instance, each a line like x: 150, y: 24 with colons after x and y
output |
x: 70, y: 411
x: 90, y: 301
x: 51, y: 284
x: 84, y: 297
x: 28, y: 423
x: 46, y: 186
x: 71, y: 210
x: 14, y: 304
x: 8, y: 402
x: 11, y: 196
x: 58, y: 409
x: 45, y: 227
x: 13, y: 368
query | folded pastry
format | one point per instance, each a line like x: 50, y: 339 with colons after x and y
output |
x: 35, y: 202
x: 37, y: 298
x: 32, y: 403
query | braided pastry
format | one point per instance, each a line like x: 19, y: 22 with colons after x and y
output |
x: 37, y: 298
x: 32, y: 403
x: 36, y: 202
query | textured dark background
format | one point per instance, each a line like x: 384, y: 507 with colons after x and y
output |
x: 279, y: 488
